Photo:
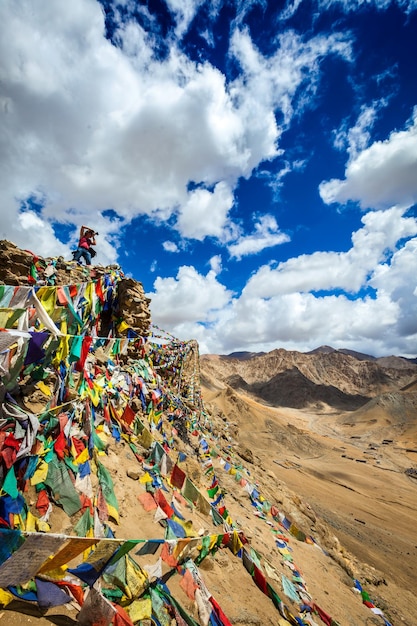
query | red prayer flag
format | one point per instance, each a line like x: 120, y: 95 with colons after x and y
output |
x: 260, y: 580
x: 128, y: 415
x: 177, y: 477
x: 60, y: 445
x: 162, y: 502
x: 42, y: 503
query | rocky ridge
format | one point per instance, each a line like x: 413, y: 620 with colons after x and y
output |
x: 295, y: 379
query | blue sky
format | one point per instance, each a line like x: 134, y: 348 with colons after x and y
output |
x: 252, y: 163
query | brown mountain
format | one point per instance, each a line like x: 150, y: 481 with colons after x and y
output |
x: 300, y: 380
x: 291, y: 388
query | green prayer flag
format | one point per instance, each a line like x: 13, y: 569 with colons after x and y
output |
x: 10, y: 484
x: 63, y: 490
x: 84, y: 524
x: 212, y: 492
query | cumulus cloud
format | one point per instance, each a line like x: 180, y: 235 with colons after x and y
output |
x: 336, y: 270
x: 383, y: 174
x: 216, y: 264
x: 205, y: 213
x: 265, y: 235
x: 33, y: 227
x: 88, y: 125
x: 395, y: 279
x: 189, y: 297
x: 289, y: 307
x: 304, y: 321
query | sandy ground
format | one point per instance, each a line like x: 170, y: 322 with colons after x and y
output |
x: 336, y: 480
x: 338, y: 466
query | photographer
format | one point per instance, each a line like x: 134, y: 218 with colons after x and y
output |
x: 87, y: 239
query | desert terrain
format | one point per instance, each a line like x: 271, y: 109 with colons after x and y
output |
x: 349, y: 467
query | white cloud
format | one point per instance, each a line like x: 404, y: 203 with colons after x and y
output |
x: 270, y: 83
x: 336, y: 270
x: 381, y: 175
x: 266, y: 235
x: 357, y: 138
x: 90, y: 126
x: 349, y: 6
x: 188, y: 298
x: 184, y: 12
x: 204, y: 213
x: 41, y: 233
x: 396, y: 280
x: 170, y: 246
x: 216, y: 264
x: 279, y: 308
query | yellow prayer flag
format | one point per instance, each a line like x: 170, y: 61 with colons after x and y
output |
x: 94, y: 395
x: 62, y: 350
x: 82, y: 457
x: 41, y: 526
x: 44, y: 388
x: 139, y: 610
x: 59, y: 573
x: 30, y: 523
x: 5, y: 597
x: 145, y: 438
x: 40, y: 474
x: 64, y: 326
x: 47, y: 297
x: 146, y: 478
x: 136, y: 578
x: 235, y: 542
x: 213, y: 541
x: 186, y: 525
x: 123, y: 326
x: 88, y: 293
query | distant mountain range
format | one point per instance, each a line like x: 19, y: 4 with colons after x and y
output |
x: 324, y: 378
x: 361, y: 356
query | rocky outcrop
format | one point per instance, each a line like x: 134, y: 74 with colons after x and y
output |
x: 15, y: 264
x: 134, y: 305
x: 22, y: 267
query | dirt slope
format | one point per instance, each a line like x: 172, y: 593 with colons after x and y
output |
x: 348, y: 471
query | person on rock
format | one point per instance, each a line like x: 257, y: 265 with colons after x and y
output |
x: 87, y: 239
